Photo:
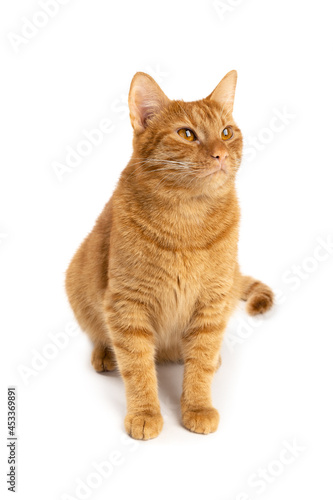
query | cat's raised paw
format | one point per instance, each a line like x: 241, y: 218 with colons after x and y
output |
x: 143, y: 425
x: 103, y: 359
x: 260, y: 301
x: 202, y: 421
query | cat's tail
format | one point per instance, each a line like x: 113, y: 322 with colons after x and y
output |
x: 258, y: 296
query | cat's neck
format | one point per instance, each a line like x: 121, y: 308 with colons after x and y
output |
x: 178, y: 216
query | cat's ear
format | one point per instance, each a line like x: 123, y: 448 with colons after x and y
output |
x: 145, y: 100
x: 224, y: 93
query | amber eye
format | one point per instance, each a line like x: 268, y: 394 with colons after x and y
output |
x: 187, y: 134
x: 227, y: 133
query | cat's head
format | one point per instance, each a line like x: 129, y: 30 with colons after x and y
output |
x: 192, y: 144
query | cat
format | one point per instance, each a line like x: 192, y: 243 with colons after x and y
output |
x: 157, y: 278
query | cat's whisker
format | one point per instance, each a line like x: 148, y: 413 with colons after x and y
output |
x: 173, y: 166
x: 156, y: 159
x: 164, y: 160
x: 147, y: 162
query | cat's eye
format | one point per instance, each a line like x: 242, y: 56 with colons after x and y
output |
x: 187, y: 134
x: 227, y: 133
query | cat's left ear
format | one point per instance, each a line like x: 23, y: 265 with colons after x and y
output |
x: 224, y: 93
x: 145, y: 100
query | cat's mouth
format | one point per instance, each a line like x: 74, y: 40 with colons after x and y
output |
x: 220, y: 169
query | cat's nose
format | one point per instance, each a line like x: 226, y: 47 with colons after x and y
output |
x: 220, y: 156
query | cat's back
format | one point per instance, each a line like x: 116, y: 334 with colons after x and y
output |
x: 87, y: 274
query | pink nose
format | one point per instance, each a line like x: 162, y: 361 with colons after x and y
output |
x: 220, y: 156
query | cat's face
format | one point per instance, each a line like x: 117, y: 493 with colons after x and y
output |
x: 193, y: 144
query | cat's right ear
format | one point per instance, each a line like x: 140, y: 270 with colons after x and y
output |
x: 224, y: 93
x: 145, y: 100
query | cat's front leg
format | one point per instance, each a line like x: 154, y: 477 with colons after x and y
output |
x: 133, y: 344
x: 201, y: 346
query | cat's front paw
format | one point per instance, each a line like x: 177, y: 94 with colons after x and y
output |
x: 202, y: 421
x: 143, y: 425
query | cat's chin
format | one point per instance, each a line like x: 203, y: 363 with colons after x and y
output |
x: 216, y: 182
x: 213, y: 179
x: 214, y: 173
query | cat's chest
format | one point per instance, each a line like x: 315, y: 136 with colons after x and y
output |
x: 189, y: 277
x: 177, y: 296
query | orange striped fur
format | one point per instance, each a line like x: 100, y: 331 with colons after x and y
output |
x: 157, y: 278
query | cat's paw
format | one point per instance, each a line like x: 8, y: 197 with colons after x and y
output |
x: 143, y: 425
x: 260, y: 300
x: 202, y: 421
x: 103, y: 359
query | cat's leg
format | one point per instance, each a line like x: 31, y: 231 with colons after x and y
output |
x: 86, y: 305
x: 134, y: 347
x: 201, y: 347
x: 103, y: 358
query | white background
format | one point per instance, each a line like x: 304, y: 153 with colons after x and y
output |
x: 274, y: 385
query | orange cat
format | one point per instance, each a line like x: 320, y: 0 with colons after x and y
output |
x: 157, y: 278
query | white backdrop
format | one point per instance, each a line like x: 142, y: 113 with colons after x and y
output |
x: 66, y: 68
